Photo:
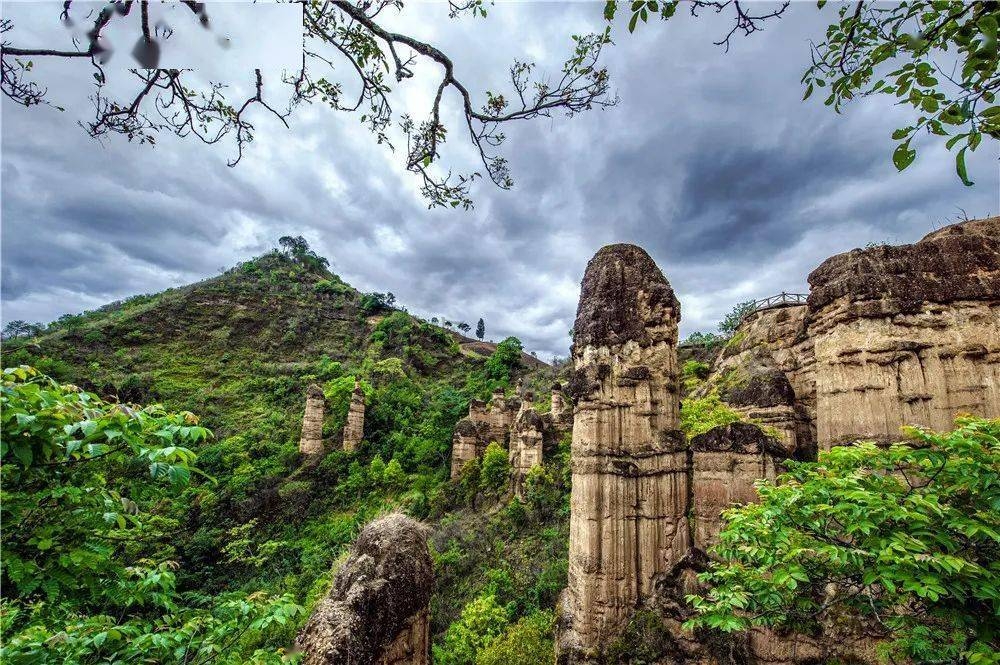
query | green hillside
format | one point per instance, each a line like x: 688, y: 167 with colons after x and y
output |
x: 238, y: 351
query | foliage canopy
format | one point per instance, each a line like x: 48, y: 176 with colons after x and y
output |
x: 903, y: 540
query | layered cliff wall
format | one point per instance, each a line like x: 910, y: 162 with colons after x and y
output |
x: 377, y: 610
x: 726, y: 462
x: 628, y: 519
x: 907, y: 334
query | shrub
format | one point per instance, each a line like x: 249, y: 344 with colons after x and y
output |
x: 481, y: 622
x: 527, y: 642
x: 732, y: 320
x: 506, y: 359
x: 904, y: 540
x: 704, y: 413
x: 695, y: 369
x: 495, y: 468
x: 394, y: 477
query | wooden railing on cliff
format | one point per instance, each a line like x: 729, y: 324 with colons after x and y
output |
x: 783, y: 299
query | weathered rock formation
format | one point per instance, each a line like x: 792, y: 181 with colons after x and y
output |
x: 726, y: 461
x: 311, y: 441
x: 377, y: 609
x: 485, y: 423
x: 766, y: 373
x: 354, y: 429
x: 561, y: 409
x: 628, y: 519
x: 469, y: 439
x: 907, y: 334
x: 500, y: 416
x: 890, y: 336
x: 526, y: 443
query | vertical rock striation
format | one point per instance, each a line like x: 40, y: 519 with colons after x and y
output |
x: 525, y: 443
x: 561, y: 410
x: 377, y: 610
x: 354, y: 430
x: 726, y: 461
x: 907, y: 334
x: 311, y: 441
x: 630, y: 475
x: 467, y: 442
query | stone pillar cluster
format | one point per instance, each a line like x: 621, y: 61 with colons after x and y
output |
x: 628, y: 520
x: 311, y: 441
x: 515, y: 424
x: 354, y: 429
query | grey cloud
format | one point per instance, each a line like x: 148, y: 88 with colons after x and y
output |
x: 711, y: 161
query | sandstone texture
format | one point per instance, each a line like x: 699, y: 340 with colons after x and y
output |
x: 561, y: 410
x: 907, y: 334
x: 726, y: 461
x: 468, y: 439
x: 377, y: 609
x: 628, y: 519
x: 526, y: 443
x: 354, y: 429
x: 766, y: 373
x: 311, y: 441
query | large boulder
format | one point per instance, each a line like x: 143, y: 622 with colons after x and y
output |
x: 377, y: 609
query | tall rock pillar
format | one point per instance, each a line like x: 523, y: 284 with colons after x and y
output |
x: 311, y: 442
x: 525, y: 444
x: 630, y: 474
x: 354, y: 430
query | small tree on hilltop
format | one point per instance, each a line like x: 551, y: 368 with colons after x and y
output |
x: 297, y: 248
x: 480, y: 329
x: 732, y: 321
x: 506, y: 359
x: 464, y: 327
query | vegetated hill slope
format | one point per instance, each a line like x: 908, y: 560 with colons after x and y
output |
x: 239, y: 350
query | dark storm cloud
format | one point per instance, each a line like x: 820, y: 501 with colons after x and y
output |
x: 711, y: 162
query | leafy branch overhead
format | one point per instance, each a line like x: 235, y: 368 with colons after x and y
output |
x: 339, y: 36
x: 938, y: 57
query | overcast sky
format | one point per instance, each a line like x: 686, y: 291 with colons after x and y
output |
x: 710, y: 161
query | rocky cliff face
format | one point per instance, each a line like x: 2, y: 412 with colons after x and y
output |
x: 907, y: 334
x: 766, y: 373
x: 630, y: 477
x: 890, y: 336
x: 726, y: 461
x: 377, y: 610
x: 311, y: 441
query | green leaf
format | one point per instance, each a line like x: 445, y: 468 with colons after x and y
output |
x: 809, y: 91
x: 960, y: 168
x: 903, y: 156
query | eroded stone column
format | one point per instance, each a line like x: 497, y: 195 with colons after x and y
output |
x: 630, y: 474
x: 311, y: 441
x: 467, y: 440
x: 562, y: 411
x: 525, y: 443
x: 500, y: 417
x: 354, y: 430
